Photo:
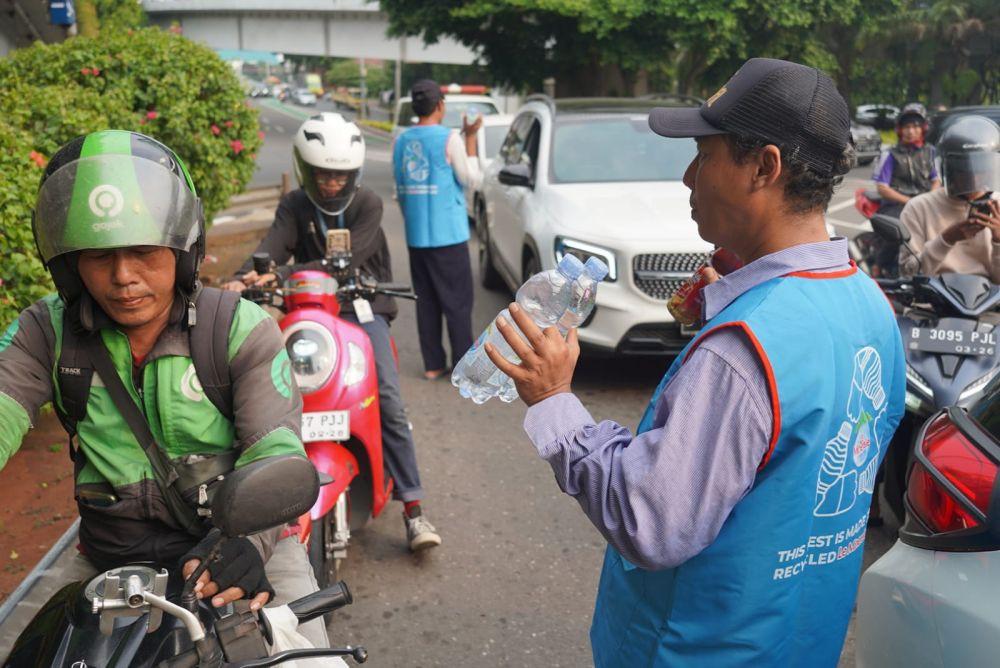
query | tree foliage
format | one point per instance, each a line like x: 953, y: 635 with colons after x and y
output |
x: 939, y: 51
x: 149, y: 81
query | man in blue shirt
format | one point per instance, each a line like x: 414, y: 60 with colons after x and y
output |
x: 431, y: 168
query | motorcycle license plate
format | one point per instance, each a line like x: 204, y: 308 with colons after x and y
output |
x: 945, y: 341
x: 326, y: 426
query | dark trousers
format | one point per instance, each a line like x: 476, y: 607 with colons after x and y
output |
x: 442, y: 281
x: 398, y: 452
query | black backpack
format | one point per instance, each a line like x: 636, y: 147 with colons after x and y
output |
x: 208, y: 334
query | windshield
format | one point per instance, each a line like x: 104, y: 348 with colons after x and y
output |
x: 494, y: 139
x: 453, y: 111
x: 616, y: 148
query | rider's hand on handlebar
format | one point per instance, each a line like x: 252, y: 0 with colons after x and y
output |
x: 992, y: 221
x: 239, y: 573
x: 961, y: 231
x: 234, y: 286
x: 253, y: 279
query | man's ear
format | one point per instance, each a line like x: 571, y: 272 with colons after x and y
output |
x: 768, y: 167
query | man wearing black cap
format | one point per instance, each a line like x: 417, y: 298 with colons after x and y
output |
x: 431, y: 168
x: 736, y: 515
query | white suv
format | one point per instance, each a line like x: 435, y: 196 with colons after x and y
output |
x: 588, y: 177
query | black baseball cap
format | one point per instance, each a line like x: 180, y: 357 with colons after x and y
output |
x: 790, y: 105
x: 424, y: 96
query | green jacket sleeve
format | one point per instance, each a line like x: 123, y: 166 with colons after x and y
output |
x: 267, y: 405
x: 26, y: 361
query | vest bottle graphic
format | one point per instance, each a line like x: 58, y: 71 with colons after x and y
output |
x: 415, y: 162
x: 852, y: 456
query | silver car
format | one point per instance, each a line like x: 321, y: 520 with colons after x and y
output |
x: 934, y: 598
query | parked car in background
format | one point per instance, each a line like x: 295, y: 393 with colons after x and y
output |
x: 942, y: 119
x: 867, y: 143
x: 303, y: 96
x: 882, y: 116
x: 257, y: 88
x: 588, y: 177
x: 458, y: 101
x: 488, y: 139
x: 931, y: 600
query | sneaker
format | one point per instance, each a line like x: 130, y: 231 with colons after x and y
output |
x: 420, y: 533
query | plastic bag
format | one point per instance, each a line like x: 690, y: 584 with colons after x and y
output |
x: 285, y: 628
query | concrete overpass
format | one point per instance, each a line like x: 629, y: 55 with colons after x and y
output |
x: 341, y: 28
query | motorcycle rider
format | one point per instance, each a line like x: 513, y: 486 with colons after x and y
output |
x: 902, y: 172
x: 329, y: 160
x: 907, y: 169
x: 956, y: 229
x: 120, y: 228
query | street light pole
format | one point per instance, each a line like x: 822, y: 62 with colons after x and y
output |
x: 363, y: 109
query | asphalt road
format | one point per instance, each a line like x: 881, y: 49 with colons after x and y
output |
x: 514, y: 581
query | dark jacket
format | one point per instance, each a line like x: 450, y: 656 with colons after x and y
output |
x: 297, y: 233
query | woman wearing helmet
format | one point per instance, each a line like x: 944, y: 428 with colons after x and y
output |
x: 329, y: 157
x: 119, y: 226
x: 906, y: 169
x: 903, y: 172
x: 957, y: 228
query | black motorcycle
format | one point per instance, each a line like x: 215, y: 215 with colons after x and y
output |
x: 948, y: 327
x: 140, y: 616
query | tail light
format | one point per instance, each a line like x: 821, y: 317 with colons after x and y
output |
x: 952, y: 483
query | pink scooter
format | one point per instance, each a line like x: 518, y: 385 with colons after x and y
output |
x: 334, y: 366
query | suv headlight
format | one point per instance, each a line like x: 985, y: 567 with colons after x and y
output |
x: 357, y: 365
x: 313, y: 353
x: 584, y: 252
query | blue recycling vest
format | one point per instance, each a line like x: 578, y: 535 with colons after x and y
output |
x: 777, y: 586
x: 430, y: 196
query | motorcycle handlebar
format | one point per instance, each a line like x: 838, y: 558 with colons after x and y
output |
x: 321, y: 602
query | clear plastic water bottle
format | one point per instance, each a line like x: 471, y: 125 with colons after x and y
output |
x: 543, y: 297
x: 582, y: 298
x: 562, y: 297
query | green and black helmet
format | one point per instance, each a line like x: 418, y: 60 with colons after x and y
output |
x: 115, y: 189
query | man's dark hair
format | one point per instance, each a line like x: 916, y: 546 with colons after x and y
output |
x: 806, y: 189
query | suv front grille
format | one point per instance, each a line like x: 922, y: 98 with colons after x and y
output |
x: 660, y: 274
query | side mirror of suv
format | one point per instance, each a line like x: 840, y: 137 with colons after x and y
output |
x: 517, y: 174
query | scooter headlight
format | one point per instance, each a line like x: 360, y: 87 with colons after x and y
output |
x: 313, y: 353
x: 357, y: 365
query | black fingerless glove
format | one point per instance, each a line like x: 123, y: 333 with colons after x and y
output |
x: 239, y: 565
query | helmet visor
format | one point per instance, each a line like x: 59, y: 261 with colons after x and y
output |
x: 114, y: 201
x: 976, y: 172
x: 329, y: 189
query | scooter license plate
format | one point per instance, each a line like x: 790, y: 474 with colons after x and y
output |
x: 944, y: 341
x: 326, y: 426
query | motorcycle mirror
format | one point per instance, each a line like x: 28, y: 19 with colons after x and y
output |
x: 262, y: 263
x: 264, y: 494
x: 890, y: 229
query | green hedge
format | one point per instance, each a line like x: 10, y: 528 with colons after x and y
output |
x: 147, y: 80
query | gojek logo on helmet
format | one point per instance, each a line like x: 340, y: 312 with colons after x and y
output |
x: 106, y: 201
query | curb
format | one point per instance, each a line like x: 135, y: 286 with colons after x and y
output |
x: 43, y: 565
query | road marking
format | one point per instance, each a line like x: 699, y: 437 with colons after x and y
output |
x: 860, y: 227
x: 222, y: 220
x: 842, y: 205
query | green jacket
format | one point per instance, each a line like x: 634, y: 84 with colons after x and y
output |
x: 123, y: 515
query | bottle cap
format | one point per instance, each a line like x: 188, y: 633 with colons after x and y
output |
x: 596, y: 268
x: 570, y: 267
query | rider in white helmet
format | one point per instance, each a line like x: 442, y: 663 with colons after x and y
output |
x: 329, y: 154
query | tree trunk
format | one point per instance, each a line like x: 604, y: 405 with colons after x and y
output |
x: 86, y: 18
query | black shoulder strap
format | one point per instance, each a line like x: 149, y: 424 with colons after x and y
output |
x: 163, y: 469
x: 73, y: 374
x: 209, y: 341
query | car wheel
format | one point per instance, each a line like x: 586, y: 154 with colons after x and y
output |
x: 532, y: 266
x: 489, y: 277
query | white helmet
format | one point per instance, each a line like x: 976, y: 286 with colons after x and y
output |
x: 328, y: 143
